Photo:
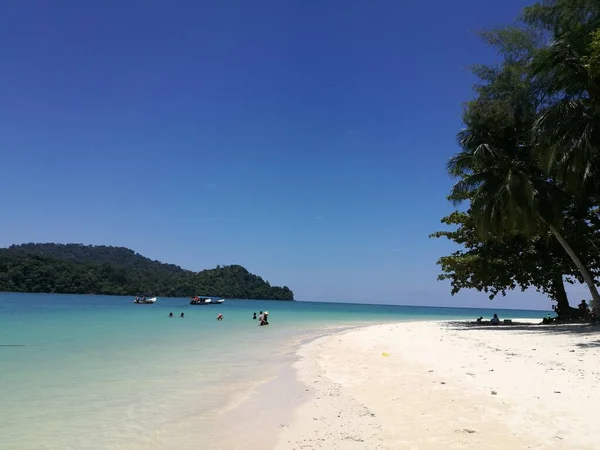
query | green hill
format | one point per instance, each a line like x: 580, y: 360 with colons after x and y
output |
x: 87, y: 269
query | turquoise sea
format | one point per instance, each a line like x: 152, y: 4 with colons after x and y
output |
x: 95, y: 372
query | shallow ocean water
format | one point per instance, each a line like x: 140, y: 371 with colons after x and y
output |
x: 96, y: 372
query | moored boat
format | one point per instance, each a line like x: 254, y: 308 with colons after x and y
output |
x: 144, y: 300
x: 204, y: 300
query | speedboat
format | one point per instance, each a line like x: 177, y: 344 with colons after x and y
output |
x: 204, y: 300
x: 144, y: 300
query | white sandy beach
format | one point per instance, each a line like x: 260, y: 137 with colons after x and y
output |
x: 432, y: 385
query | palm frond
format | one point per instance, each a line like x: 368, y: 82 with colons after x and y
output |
x: 562, y: 65
x: 460, y: 164
x: 567, y: 138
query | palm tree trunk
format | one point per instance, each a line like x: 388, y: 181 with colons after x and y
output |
x: 584, y: 272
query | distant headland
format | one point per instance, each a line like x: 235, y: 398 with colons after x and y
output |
x: 89, y: 269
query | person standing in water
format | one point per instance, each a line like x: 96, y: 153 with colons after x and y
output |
x: 170, y: 314
x: 181, y: 315
x: 220, y: 316
x: 254, y: 316
x: 263, y: 319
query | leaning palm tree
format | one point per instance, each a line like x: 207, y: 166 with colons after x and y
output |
x: 498, y: 173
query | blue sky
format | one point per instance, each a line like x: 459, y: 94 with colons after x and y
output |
x: 306, y: 141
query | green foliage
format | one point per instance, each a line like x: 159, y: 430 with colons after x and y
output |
x: 80, y: 269
x: 560, y: 17
x: 514, y: 43
x: 508, y: 193
x: 567, y: 131
x: 592, y: 62
x: 482, y: 265
x: 529, y: 164
x: 496, y: 266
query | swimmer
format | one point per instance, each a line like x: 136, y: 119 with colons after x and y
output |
x: 170, y: 314
x: 181, y: 315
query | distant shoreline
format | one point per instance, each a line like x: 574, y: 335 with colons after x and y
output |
x: 106, y: 270
x: 133, y: 295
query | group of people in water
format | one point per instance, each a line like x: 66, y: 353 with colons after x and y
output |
x: 219, y: 316
x: 263, y: 318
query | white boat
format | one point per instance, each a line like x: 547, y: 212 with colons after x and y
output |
x: 144, y: 301
x: 203, y: 300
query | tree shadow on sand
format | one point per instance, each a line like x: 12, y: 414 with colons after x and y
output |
x: 593, y: 344
x: 581, y: 329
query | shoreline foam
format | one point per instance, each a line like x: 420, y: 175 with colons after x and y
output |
x: 431, y: 385
x: 255, y: 421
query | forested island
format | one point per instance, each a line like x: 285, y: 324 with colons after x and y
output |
x: 528, y: 169
x: 87, y: 269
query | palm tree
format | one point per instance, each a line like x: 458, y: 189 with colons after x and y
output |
x: 498, y: 173
x: 567, y: 131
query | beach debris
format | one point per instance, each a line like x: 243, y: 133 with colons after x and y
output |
x: 442, y: 382
x: 353, y: 438
x: 465, y: 430
x: 385, y: 354
x: 494, y: 393
x: 557, y: 392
